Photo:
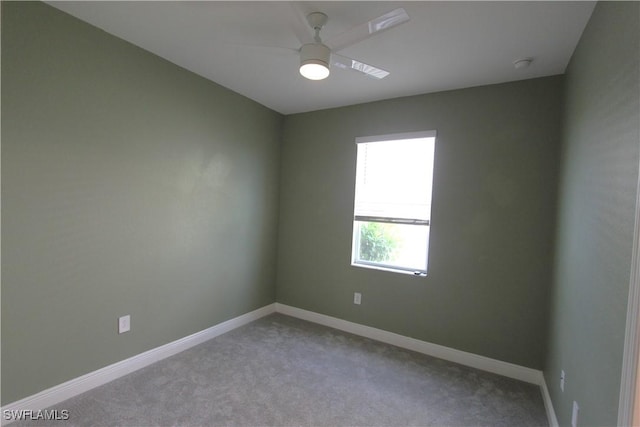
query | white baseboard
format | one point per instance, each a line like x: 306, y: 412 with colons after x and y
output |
x: 72, y: 388
x: 548, y: 405
x: 458, y: 356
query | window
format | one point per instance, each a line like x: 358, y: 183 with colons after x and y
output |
x: 392, y: 208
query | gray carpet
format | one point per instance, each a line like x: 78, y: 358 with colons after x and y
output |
x: 281, y: 371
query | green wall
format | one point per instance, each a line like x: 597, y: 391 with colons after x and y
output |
x: 129, y: 186
x: 494, y: 201
x: 596, y: 218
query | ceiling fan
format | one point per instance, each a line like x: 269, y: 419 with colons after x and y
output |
x: 316, y: 56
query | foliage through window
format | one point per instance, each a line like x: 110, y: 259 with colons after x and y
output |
x: 392, y: 209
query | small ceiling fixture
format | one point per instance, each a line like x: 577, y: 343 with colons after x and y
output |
x: 315, y: 57
x: 522, y: 63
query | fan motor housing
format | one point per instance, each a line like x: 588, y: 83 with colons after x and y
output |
x: 315, y: 53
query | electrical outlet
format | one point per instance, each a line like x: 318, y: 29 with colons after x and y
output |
x: 574, y: 415
x: 124, y: 324
x: 357, y: 298
x: 562, y: 377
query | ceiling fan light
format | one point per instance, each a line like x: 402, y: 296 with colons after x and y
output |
x: 314, y: 61
x: 314, y: 71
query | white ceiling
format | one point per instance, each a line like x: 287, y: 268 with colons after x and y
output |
x: 445, y: 45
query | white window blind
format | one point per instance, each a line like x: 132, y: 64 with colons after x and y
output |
x: 394, y: 178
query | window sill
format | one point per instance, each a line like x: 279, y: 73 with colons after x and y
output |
x: 389, y: 269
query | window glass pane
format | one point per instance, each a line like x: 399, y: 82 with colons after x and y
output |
x: 393, y: 245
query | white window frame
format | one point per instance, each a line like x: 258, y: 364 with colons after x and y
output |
x: 391, y: 220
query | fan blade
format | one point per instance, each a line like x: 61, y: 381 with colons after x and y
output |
x: 351, y: 64
x: 276, y: 50
x: 368, y: 29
